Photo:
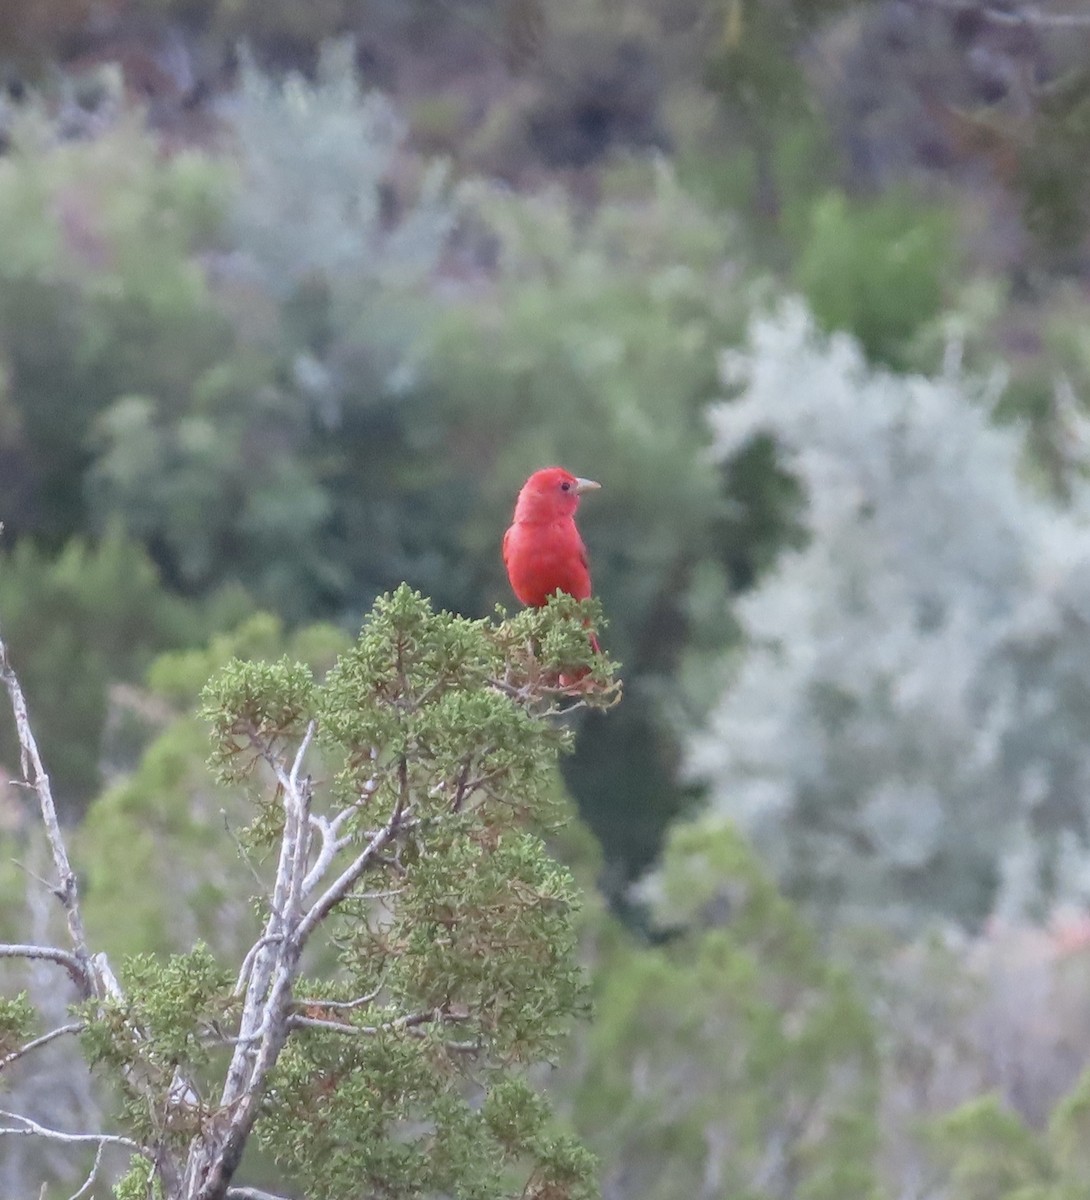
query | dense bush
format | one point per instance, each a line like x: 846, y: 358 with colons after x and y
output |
x: 733, y: 1060
x: 167, y: 813
x: 878, y: 270
x: 101, y: 297
x: 278, y: 467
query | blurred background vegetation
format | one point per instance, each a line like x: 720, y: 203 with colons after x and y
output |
x: 292, y: 299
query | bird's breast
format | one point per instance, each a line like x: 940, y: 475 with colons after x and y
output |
x: 542, y: 559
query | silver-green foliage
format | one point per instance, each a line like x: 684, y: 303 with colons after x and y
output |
x: 315, y: 158
x: 322, y: 224
x: 903, y: 734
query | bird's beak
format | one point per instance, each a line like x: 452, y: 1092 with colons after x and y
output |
x: 586, y: 485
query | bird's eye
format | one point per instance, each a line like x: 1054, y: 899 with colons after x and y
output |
x: 565, y: 486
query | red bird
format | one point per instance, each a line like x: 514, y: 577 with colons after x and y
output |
x: 542, y: 549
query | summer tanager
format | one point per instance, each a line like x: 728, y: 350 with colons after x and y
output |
x: 542, y: 549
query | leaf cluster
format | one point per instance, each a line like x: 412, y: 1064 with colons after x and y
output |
x: 165, y: 1028
x: 17, y: 1020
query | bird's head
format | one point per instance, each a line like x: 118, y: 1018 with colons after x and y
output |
x: 550, y: 493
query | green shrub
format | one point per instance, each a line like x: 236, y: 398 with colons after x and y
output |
x: 877, y: 269
x: 78, y: 624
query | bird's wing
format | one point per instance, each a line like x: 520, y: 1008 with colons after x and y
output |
x: 582, y: 586
x: 578, y: 584
x: 583, y: 558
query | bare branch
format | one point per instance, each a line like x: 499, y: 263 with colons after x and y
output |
x: 331, y: 846
x: 243, y: 852
x: 433, y: 1016
x: 249, y: 1193
x: 107, y: 980
x: 263, y: 1027
x: 44, y: 1040
x: 22, y: 866
x: 63, y: 958
x: 248, y: 961
x: 89, y: 1182
x: 261, y: 961
x: 304, y: 746
x: 266, y: 1009
x: 29, y: 1128
x: 251, y: 1097
x: 351, y: 810
x: 385, y: 894
x: 412, y: 1025
x: 1026, y: 17
x: 344, y: 1005
x: 67, y: 889
x: 344, y: 883
x: 297, y: 1021
x: 462, y: 1047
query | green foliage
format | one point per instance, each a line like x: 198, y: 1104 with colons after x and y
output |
x: 17, y: 1019
x: 988, y: 1153
x: 179, y: 676
x: 1068, y: 1131
x: 163, y: 1023
x: 264, y: 700
x: 270, y: 358
x: 1052, y: 176
x: 315, y: 157
x: 750, y: 65
x: 769, y: 149
x: 100, y: 298
x: 991, y: 1152
x: 877, y: 269
x: 901, y: 734
x: 79, y: 623
x: 213, y: 357
x: 598, y: 339
x: 327, y: 438
x: 734, y: 1037
x: 138, y: 1182
x: 1047, y: 393
x: 282, y: 464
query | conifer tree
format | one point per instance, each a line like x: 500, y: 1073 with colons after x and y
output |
x: 416, y: 955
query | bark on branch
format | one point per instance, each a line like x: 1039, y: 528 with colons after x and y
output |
x: 63, y: 958
x: 25, y: 1127
x: 44, y: 1040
